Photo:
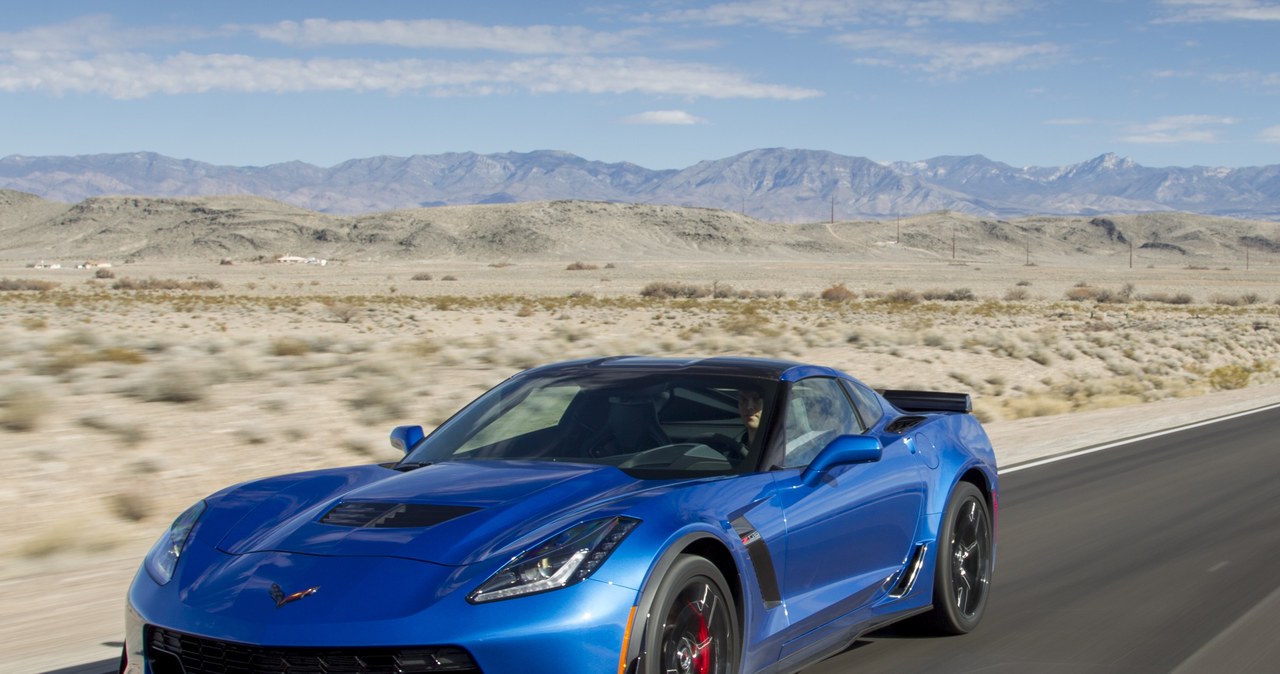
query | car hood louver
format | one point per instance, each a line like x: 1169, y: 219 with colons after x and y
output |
x: 452, y: 513
x: 392, y: 515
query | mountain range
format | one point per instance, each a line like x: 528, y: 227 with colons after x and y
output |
x: 777, y: 184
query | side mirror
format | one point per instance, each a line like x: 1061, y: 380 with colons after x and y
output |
x: 404, y: 438
x: 843, y: 450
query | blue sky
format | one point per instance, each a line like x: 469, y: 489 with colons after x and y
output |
x: 661, y: 84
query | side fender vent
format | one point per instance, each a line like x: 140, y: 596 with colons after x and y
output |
x: 909, y: 575
x: 375, y: 515
x: 903, y: 424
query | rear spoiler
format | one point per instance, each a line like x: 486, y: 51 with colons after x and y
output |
x: 929, y: 401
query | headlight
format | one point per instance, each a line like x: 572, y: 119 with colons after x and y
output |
x: 563, y: 559
x: 163, y: 558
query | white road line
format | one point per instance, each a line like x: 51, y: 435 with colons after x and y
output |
x: 1128, y: 441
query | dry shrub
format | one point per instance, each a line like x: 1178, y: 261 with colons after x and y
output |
x: 165, y: 284
x: 131, y: 506
x: 22, y: 406
x: 1229, y: 377
x: 838, y: 293
x: 422, y: 347
x: 290, y: 346
x: 129, y: 434
x: 673, y: 290
x: 448, y: 277
x: 942, y: 295
x: 1236, y: 300
x: 748, y: 323
x: 725, y: 291
x: 343, y: 312
x: 902, y: 296
x: 581, y: 266
x: 26, y: 284
x: 122, y: 355
x: 1017, y: 295
x: 1081, y: 293
x: 380, y: 402
x: 173, y: 384
x: 1036, y: 406
x: 104, y: 274
x: 421, y: 276
x: 1166, y: 298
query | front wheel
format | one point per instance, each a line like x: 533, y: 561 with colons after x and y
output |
x: 966, y: 550
x: 693, y: 624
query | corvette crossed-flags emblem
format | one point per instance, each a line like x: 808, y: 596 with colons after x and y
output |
x: 282, y: 599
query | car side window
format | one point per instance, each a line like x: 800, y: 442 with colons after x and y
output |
x: 867, y: 404
x: 817, y: 410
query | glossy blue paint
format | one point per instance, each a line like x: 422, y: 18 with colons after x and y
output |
x: 811, y: 553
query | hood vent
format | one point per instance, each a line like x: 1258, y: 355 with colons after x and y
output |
x: 376, y: 515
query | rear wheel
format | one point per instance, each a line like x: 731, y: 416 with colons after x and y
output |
x: 965, y: 559
x: 693, y: 624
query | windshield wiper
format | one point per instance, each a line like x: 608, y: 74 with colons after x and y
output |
x: 406, y: 466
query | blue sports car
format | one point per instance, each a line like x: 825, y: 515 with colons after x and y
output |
x: 630, y: 515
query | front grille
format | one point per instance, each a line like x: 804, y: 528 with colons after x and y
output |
x: 172, y: 652
x: 377, y: 515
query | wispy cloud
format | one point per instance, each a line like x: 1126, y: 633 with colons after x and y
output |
x: 950, y: 60
x: 93, y: 33
x: 1204, y: 11
x: 1270, y: 134
x: 663, y: 117
x: 804, y: 14
x: 131, y: 76
x: 447, y: 34
x: 1241, y: 78
x: 1070, y: 121
x: 1177, y: 129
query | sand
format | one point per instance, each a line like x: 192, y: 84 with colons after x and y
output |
x: 120, y: 407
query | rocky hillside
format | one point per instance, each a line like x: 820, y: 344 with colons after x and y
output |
x: 244, y: 228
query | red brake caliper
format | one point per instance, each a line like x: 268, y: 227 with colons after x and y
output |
x: 701, y: 661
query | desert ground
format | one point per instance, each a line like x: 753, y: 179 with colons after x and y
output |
x: 129, y: 392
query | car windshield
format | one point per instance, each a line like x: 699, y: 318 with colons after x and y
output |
x: 650, y: 425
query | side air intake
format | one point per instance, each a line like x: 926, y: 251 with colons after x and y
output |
x: 912, y: 571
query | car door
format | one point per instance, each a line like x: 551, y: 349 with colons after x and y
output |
x: 849, y: 532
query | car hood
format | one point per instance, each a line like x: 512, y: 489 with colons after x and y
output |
x: 451, y: 513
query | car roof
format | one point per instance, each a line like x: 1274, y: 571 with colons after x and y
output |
x: 764, y: 368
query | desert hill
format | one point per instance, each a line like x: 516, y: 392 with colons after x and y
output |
x: 129, y: 228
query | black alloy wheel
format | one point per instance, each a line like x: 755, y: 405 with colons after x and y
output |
x: 693, y: 626
x: 963, y: 571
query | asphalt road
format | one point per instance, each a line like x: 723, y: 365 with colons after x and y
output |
x: 1154, y: 556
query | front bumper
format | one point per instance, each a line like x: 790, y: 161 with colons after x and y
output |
x: 373, y: 603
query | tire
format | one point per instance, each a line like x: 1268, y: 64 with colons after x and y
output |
x: 693, y: 623
x: 962, y: 574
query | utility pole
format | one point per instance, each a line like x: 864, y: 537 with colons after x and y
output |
x: 1131, y: 255
x: 1246, y: 258
x: 953, y: 241
x: 833, y: 209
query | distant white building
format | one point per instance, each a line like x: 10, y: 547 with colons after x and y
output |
x: 93, y: 264
x: 294, y: 259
